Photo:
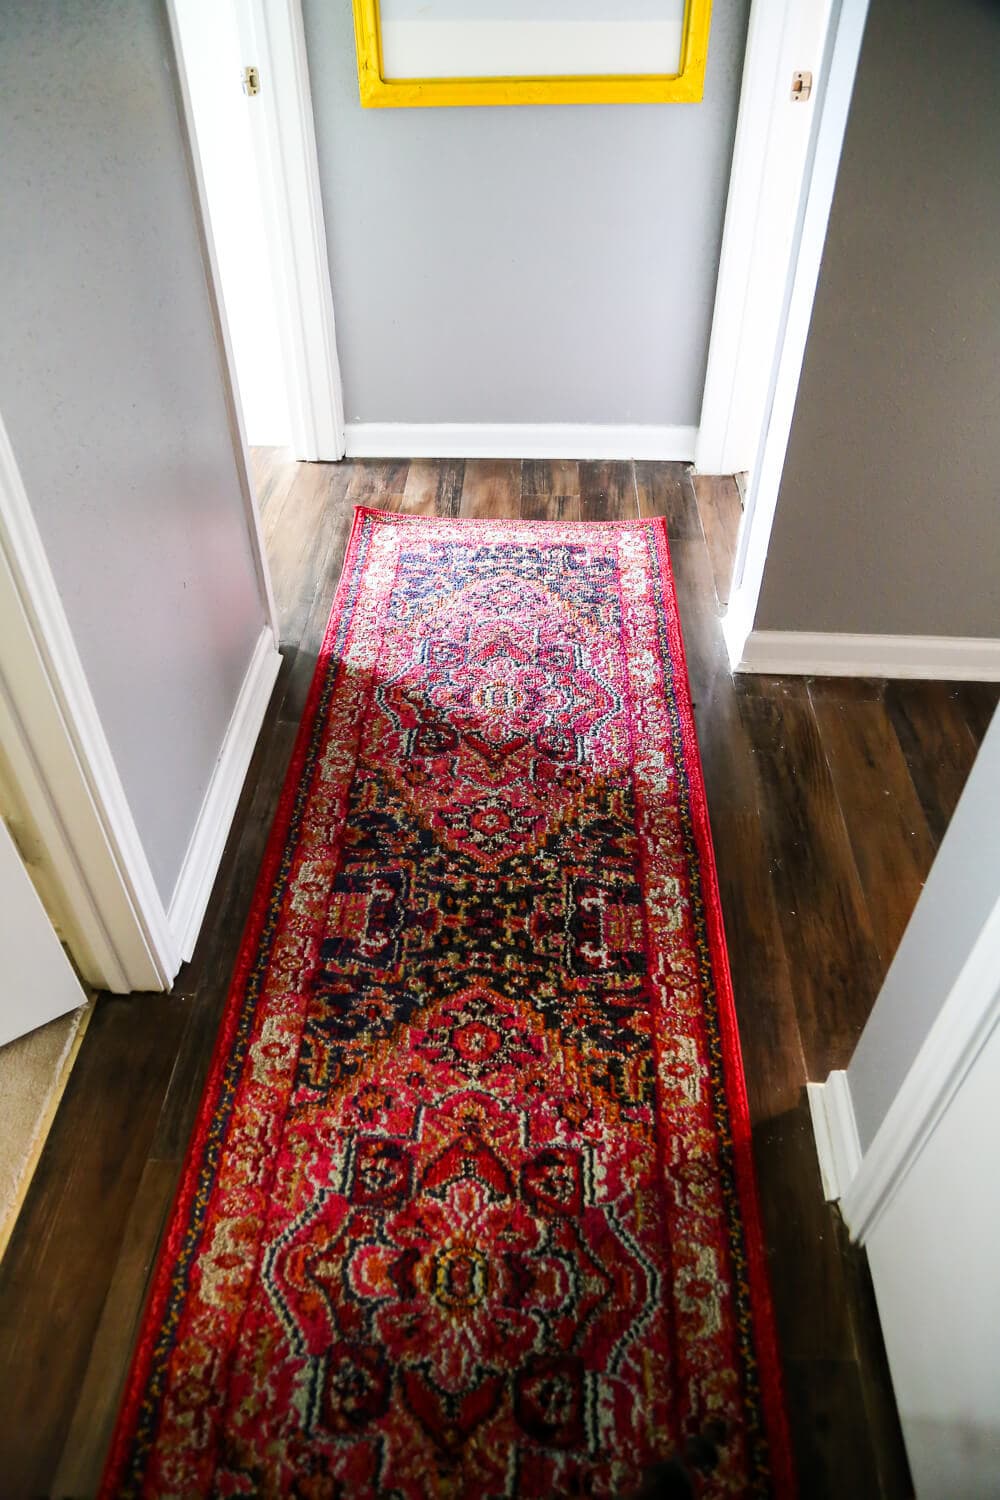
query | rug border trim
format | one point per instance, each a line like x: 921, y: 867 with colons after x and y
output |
x: 765, y: 1337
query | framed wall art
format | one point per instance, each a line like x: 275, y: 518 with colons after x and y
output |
x: 434, y: 52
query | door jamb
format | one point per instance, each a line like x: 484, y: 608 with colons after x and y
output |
x: 284, y: 133
x: 61, y: 789
x: 284, y: 139
x: 847, y: 24
x: 223, y: 341
x: 764, y: 66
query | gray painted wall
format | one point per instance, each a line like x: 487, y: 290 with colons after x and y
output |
x: 887, y: 517
x: 113, y: 396
x: 526, y: 264
x: 962, y: 889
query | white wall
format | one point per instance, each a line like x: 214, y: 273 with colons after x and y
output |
x: 886, y: 520
x: 214, y: 60
x: 933, y: 1256
x: 535, y: 264
x: 909, y: 1142
x: 113, y: 392
x: 37, y: 982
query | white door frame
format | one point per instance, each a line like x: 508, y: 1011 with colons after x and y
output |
x: 284, y: 139
x: 766, y: 184
x: 836, y: 85
x: 59, y: 783
x: 60, y: 789
x: 39, y: 981
x: 224, y: 344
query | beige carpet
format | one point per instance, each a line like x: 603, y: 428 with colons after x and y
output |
x: 33, y: 1074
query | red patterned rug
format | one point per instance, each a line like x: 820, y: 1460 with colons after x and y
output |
x: 469, y: 1209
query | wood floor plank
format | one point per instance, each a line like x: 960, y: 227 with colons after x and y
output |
x: 314, y: 507
x: 191, y: 1063
x: 550, y: 508
x: 262, y: 461
x: 273, y: 471
x: 303, y: 655
x: 827, y: 930
x: 306, y: 555
x: 665, y: 489
x: 875, y: 791
x: 704, y: 648
x: 96, y: 1407
x: 217, y: 947
x: 376, y: 481
x: 491, y: 489
x: 814, y: 1271
x: 550, y: 477
x: 720, y: 509
x: 890, y: 1462
x: 607, y: 491
x: 845, y: 690
x: 433, y: 487
x: 808, y: 1271
x: 979, y: 703
x: 765, y: 1007
x: 834, y: 1451
x: 937, y: 742
x: 726, y: 750
x: 729, y: 757
x: 55, y: 1275
x: 773, y: 1061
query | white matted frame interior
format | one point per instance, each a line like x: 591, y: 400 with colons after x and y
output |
x: 428, y: 53
x: 529, y: 38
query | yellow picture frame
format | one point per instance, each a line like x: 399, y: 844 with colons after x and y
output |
x: 683, y: 87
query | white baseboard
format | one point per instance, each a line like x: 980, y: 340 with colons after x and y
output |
x: 517, y: 440
x: 832, y: 654
x: 204, y: 852
x: 836, y: 1133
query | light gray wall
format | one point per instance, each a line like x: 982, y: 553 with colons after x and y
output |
x: 887, y: 517
x: 526, y: 264
x: 962, y: 889
x: 112, y: 392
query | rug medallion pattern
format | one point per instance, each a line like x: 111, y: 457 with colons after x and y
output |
x: 469, y: 1209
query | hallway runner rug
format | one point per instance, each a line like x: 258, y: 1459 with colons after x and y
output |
x: 469, y: 1209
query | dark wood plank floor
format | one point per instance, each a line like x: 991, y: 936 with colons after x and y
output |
x: 828, y: 800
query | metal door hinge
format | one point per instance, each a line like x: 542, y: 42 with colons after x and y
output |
x: 251, y: 82
x: 802, y: 87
